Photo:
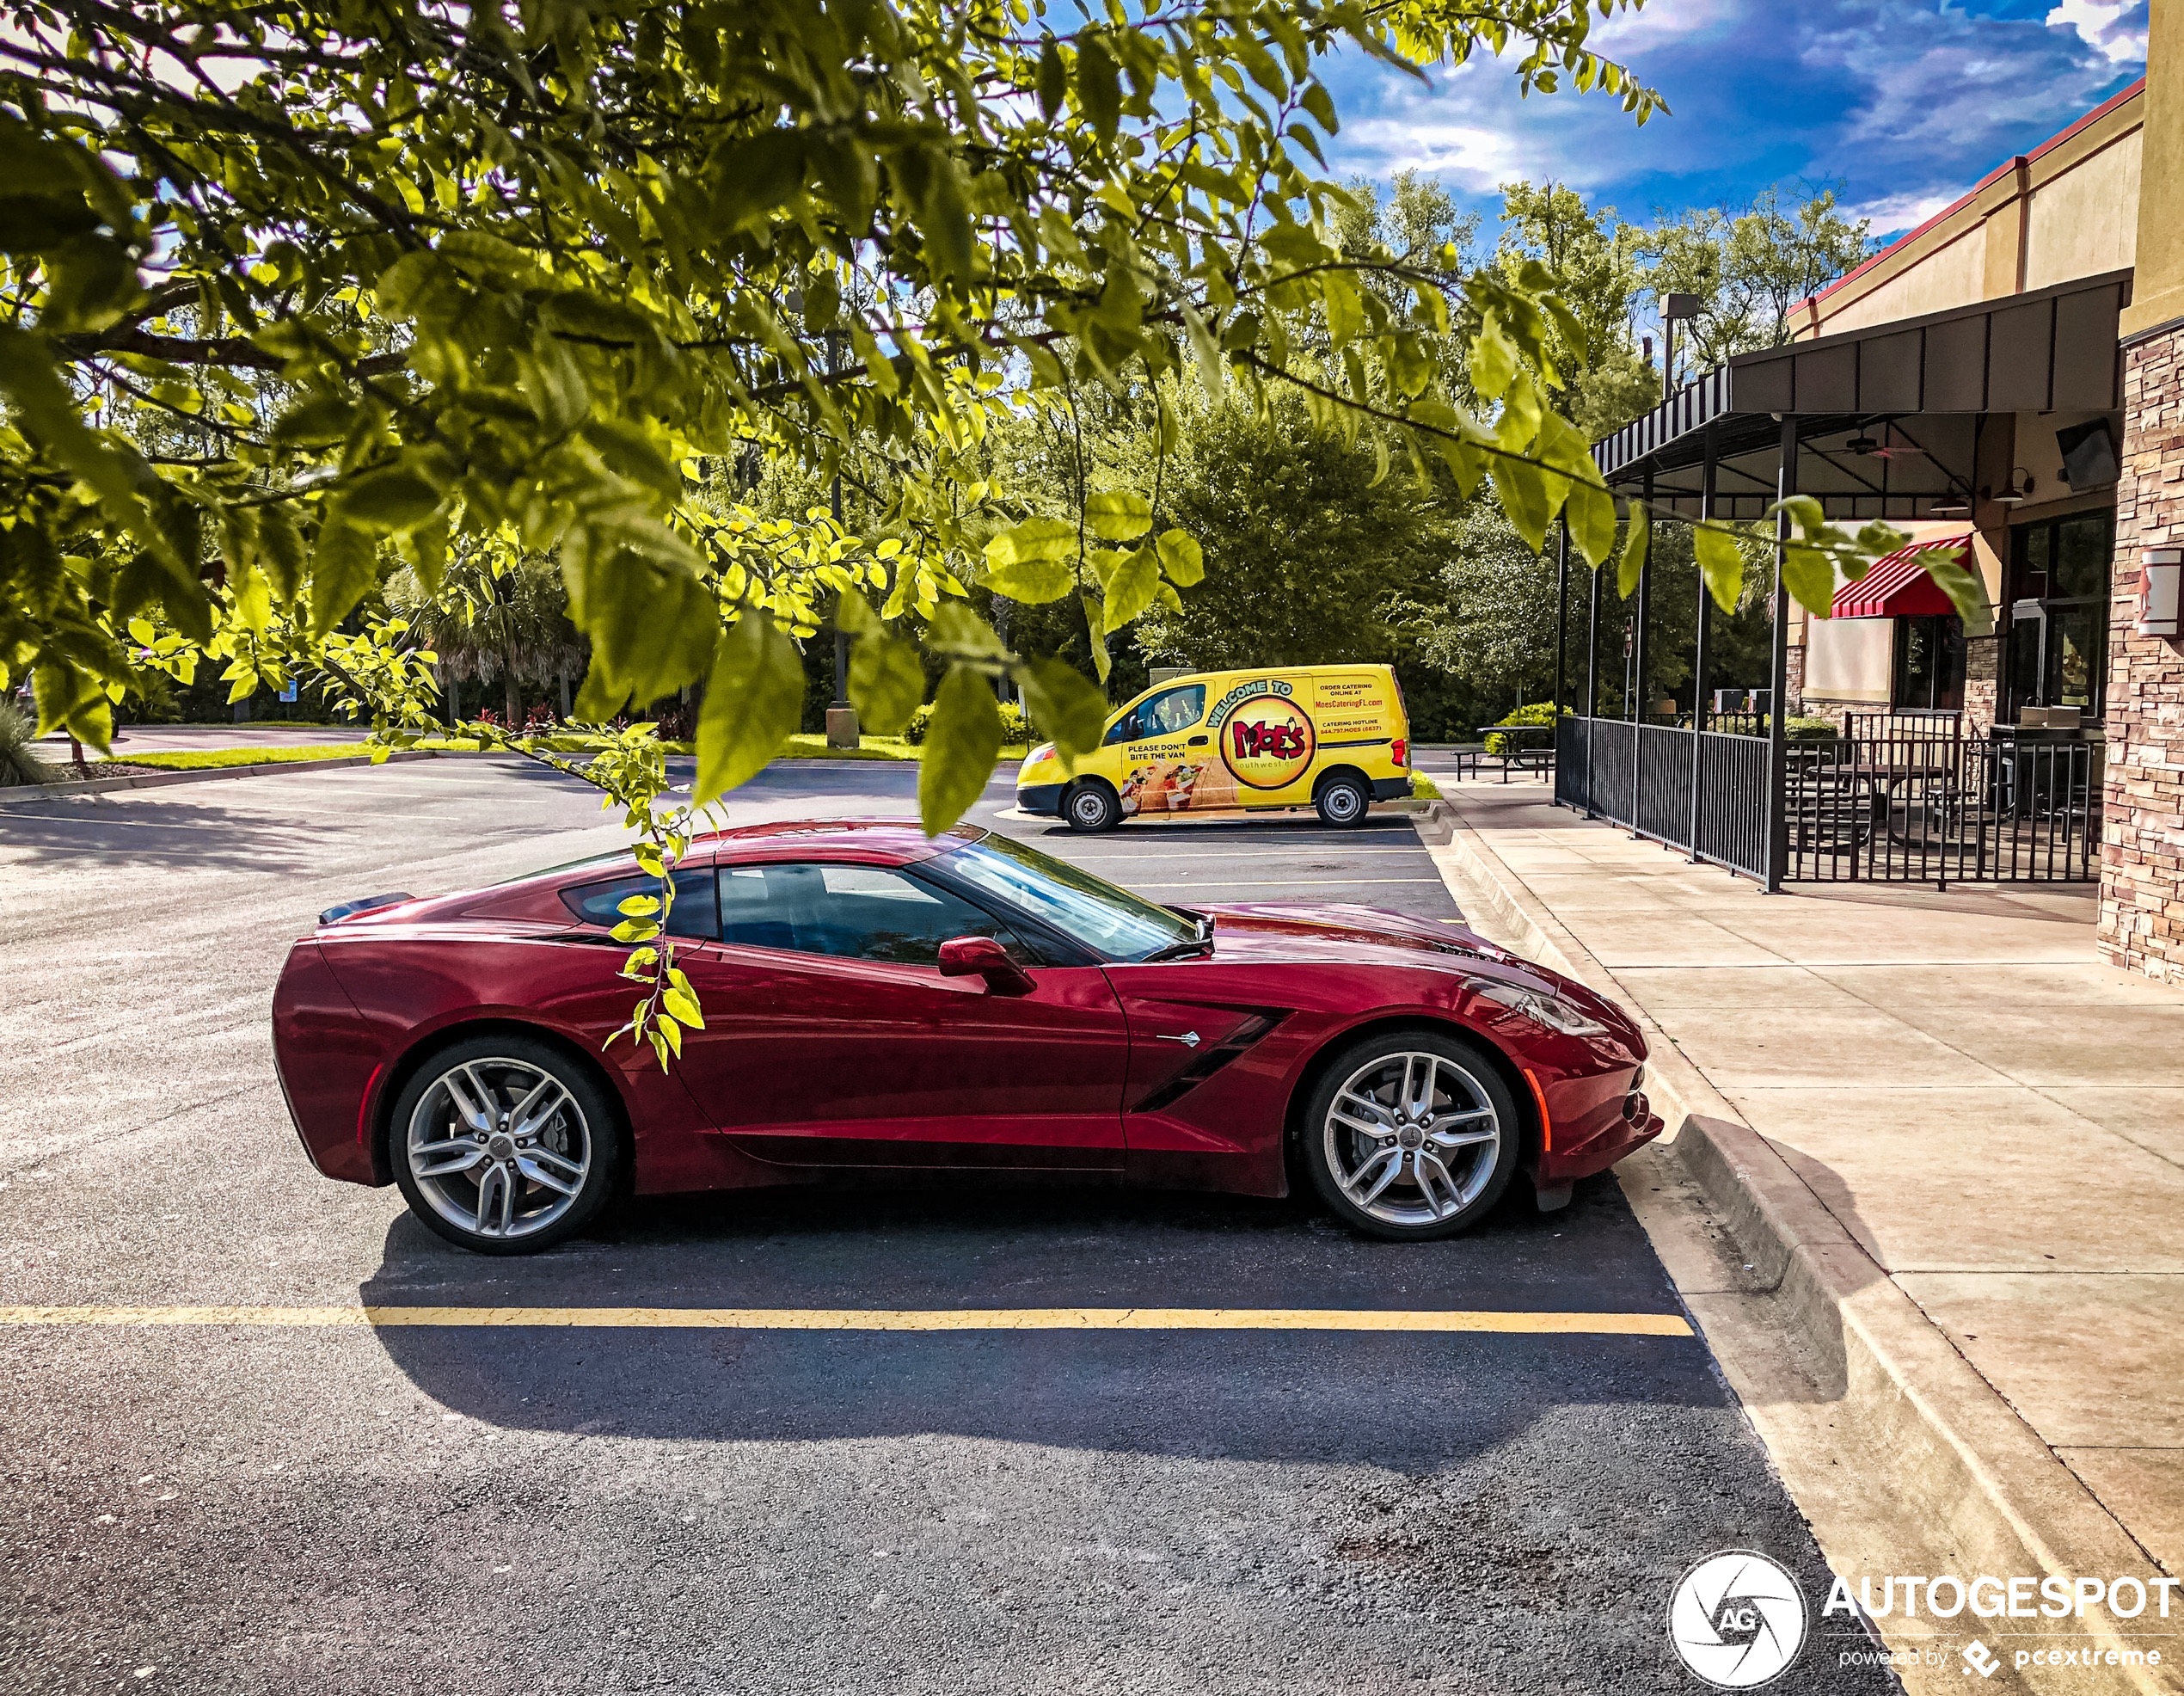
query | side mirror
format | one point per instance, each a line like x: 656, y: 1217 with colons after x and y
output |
x: 982, y: 957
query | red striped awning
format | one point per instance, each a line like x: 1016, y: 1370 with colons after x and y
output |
x: 1898, y: 586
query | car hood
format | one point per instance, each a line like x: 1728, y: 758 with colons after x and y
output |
x: 1353, y: 932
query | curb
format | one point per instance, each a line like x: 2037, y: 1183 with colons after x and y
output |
x: 30, y: 794
x: 1961, y: 1472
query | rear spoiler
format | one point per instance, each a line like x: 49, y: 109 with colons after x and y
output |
x: 334, y: 915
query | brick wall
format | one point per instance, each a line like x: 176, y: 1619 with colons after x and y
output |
x: 2142, y: 831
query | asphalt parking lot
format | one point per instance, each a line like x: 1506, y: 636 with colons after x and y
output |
x: 331, y: 1506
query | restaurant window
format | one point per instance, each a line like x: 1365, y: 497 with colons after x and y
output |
x: 2058, y: 613
x: 1930, y: 664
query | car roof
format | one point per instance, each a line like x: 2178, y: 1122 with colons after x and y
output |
x: 875, y: 841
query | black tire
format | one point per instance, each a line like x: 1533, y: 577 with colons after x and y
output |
x: 1342, y: 802
x: 576, y: 1141
x: 1089, y: 807
x: 1465, y: 1083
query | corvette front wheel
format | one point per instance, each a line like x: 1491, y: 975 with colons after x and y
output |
x: 1411, y: 1135
x: 502, y: 1144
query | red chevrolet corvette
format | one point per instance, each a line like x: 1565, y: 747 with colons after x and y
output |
x: 875, y: 1002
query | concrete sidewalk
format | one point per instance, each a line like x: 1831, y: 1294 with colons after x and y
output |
x: 1991, y: 1118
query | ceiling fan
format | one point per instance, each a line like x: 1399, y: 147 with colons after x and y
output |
x: 1866, y: 448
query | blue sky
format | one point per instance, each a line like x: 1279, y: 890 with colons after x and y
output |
x: 1904, y: 104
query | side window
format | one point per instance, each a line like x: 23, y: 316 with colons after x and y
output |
x: 694, y: 912
x: 850, y: 912
x: 1163, y: 715
x: 1176, y: 710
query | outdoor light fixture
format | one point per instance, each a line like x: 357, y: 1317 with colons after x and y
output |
x: 2161, y: 609
x: 1950, y: 509
x: 2019, y: 487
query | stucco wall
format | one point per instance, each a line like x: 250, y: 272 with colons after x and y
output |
x: 2086, y: 221
x: 1954, y: 276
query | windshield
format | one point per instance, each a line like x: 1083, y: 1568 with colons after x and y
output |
x: 1109, y: 921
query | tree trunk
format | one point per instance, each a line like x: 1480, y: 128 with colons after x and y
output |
x: 508, y: 678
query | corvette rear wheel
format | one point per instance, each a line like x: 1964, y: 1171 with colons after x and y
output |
x: 1411, y: 1135
x: 503, y: 1146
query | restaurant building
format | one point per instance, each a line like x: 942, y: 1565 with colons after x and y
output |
x: 2006, y: 382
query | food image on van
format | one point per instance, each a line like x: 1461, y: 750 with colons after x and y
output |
x: 1333, y: 738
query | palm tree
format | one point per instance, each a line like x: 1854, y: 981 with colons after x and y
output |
x: 498, y: 613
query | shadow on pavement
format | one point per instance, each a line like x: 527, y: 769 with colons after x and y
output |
x: 169, y: 832
x: 1411, y: 1401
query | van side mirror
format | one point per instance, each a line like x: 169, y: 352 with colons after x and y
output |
x: 982, y: 957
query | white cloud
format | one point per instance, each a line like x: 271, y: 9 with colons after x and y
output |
x: 1477, y: 158
x: 2114, y: 28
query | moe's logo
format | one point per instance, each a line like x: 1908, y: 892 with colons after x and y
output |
x: 1266, y: 741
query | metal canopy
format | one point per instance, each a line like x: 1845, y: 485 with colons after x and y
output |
x: 1887, y: 417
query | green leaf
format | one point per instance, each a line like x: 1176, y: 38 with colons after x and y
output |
x: 1721, y: 563
x: 1591, y: 512
x: 1522, y: 489
x: 345, y: 567
x: 1131, y: 587
x: 1493, y: 358
x: 1963, y: 586
x: 1029, y: 564
x: 956, y: 630
x: 886, y: 682
x: 635, y: 930
x: 1099, y: 87
x: 1067, y: 707
x: 1101, y: 661
x: 1181, y: 558
x: 1635, y: 537
x: 1320, y: 105
x: 962, y: 742
x: 682, y: 1006
x: 1117, y: 515
x: 1053, y: 78
x: 391, y: 497
x: 754, y: 699
x: 638, y: 906
x: 1809, y: 575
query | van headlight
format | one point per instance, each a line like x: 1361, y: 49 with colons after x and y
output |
x: 1541, y: 1008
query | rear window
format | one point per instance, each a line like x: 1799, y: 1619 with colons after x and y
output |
x: 695, y: 911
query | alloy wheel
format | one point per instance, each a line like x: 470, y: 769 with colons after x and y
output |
x: 1412, y: 1138
x: 499, y: 1147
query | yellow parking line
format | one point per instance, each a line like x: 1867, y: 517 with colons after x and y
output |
x: 877, y: 1318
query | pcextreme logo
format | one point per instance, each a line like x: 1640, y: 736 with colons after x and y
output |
x: 1737, y: 1620
x: 1267, y: 742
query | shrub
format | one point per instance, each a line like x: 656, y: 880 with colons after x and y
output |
x: 1540, y: 712
x: 19, y: 759
x: 1016, y: 728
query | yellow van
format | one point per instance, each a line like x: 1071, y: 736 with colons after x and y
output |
x: 1335, y: 738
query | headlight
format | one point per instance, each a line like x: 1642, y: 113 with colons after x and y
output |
x: 1550, y: 1010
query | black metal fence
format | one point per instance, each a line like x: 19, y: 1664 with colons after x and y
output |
x: 1927, y: 805
x: 1639, y: 777
x: 1911, y: 800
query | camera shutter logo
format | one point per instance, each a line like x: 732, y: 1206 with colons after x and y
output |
x: 1737, y: 1620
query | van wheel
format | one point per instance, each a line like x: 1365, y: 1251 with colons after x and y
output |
x: 1341, y: 801
x: 1091, y: 806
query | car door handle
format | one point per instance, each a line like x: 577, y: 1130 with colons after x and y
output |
x: 1197, y: 741
x: 1188, y: 1038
